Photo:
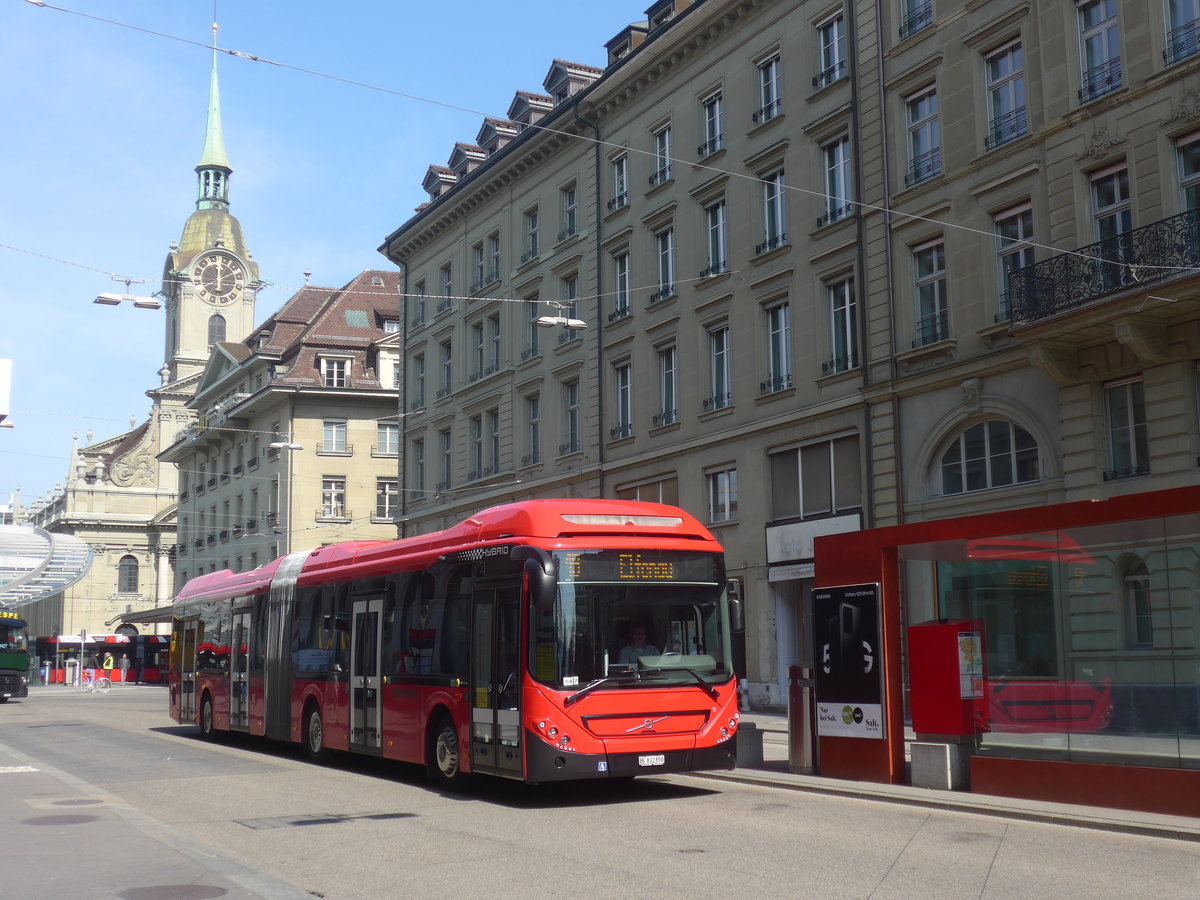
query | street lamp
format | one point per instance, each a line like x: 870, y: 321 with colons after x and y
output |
x: 561, y: 319
x: 117, y: 299
x: 285, y: 442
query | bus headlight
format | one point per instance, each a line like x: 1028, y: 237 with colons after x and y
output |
x: 564, y: 741
x: 553, y: 732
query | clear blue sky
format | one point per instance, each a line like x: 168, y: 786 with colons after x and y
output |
x: 104, y: 125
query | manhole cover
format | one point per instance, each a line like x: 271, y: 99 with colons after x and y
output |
x: 61, y: 820
x: 173, y: 892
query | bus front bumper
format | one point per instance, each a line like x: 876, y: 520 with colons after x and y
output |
x: 546, y: 763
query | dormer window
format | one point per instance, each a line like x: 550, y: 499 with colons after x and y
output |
x: 335, y: 372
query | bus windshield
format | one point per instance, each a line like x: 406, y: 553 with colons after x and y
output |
x: 633, y: 618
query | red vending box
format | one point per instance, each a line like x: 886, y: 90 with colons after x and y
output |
x: 946, y: 677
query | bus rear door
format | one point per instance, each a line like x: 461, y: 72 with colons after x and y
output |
x: 496, y: 680
x: 365, y: 696
x: 239, y: 686
x: 187, y: 671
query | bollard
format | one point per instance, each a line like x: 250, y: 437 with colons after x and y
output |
x: 801, y: 726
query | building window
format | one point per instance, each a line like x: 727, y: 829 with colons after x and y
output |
x: 570, y: 212
x: 127, y: 575
x: 418, y: 465
x: 1006, y: 95
x: 720, y: 366
x: 989, y: 454
x: 531, y: 235
x: 1188, y: 153
x: 668, y: 395
x: 334, y: 436
x: 387, y: 437
x: 216, y: 329
x: 478, y: 258
x: 662, y: 156
x: 1138, y: 607
x: 418, y: 394
x: 569, y: 307
x: 620, y: 286
x: 716, y: 228
x: 571, y: 418
x: 774, y: 212
x: 817, y: 480
x: 843, y: 326
x: 446, y: 454
x: 419, y: 302
x: 1112, y: 218
x: 493, y: 337
x: 712, y: 114
x: 534, y: 332
x: 447, y: 276
x: 665, y: 254
x: 915, y: 15
x: 929, y: 270
x: 477, y: 350
x: 770, y: 90
x: 492, y: 421
x: 447, y: 382
x: 1014, y: 232
x: 722, y: 495
x: 533, y: 432
x: 836, y: 155
x: 779, y: 349
x: 831, y: 37
x: 620, y: 181
x: 623, y: 383
x: 333, y: 498
x: 335, y: 373
x: 493, y: 256
x: 1100, y: 49
x: 1128, y: 444
x: 924, y: 137
x: 387, y: 498
x: 475, y: 428
x: 1183, y: 35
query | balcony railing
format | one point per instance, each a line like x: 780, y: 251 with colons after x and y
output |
x: 711, y: 146
x: 839, y: 364
x: 836, y: 214
x: 1182, y: 42
x: 667, y: 290
x: 666, y: 417
x: 930, y: 329
x: 1007, y: 127
x: 618, y: 432
x: 662, y: 175
x: 1161, y: 251
x: 619, y: 202
x: 621, y: 312
x: 920, y: 16
x: 830, y: 74
x: 720, y: 267
x: 571, y: 446
x: 717, y: 401
x: 569, y: 231
x: 531, y: 459
x: 924, y: 167
x: 771, y: 243
x: 529, y: 254
x: 334, y: 511
x: 768, y: 111
x: 1100, y: 80
x: 775, y: 385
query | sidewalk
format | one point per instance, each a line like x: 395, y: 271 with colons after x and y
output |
x: 774, y: 773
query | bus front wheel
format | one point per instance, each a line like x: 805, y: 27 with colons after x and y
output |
x: 314, y: 735
x: 443, y: 757
x: 206, y: 718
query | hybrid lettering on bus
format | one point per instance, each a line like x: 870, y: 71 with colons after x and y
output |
x: 544, y: 640
x: 14, y: 656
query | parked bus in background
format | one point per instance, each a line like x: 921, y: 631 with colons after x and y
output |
x: 14, y: 656
x: 504, y: 645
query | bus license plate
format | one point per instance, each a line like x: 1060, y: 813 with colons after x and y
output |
x: 656, y: 759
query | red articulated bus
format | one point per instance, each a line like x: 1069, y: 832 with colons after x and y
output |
x: 545, y: 640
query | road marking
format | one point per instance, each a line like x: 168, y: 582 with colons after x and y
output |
x: 9, y: 770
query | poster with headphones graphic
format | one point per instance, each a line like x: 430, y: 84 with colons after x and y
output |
x: 850, y: 666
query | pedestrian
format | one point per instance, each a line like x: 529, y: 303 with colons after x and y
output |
x: 123, y: 665
x: 107, y: 665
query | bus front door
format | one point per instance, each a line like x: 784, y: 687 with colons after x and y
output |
x: 496, y: 679
x: 365, y: 697
x: 239, y: 685
x: 187, y: 672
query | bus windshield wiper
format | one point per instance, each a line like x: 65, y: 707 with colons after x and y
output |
x: 599, y: 682
x: 708, y: 688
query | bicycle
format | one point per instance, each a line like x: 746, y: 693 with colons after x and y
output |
x: 90, y: 684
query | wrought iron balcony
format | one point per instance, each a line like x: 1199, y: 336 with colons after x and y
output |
x: 1182, y: 42
x: 720, y: 267
x: 1007, y: 127
x: 711, y: 146
x: 666, y: 417
x: 930, y: 329
x: 1100, y: 80
x: 919, y: 16
x: 839, y: 364
x: 717, y: 401
x: 830, y: 74
x: 776, y: 384
x: 663, y: 174
x: 621, y: 312
x: 924, y: 167
x: 768, y: 111
x: 620, y: 201
x: 667, y: 290
x: 777, y: 240
x: 1158, y: 252
x: 618, y: 432
x: 569, y: 231
x: 836, y: 214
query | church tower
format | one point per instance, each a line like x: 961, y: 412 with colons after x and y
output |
x: 209, y: 278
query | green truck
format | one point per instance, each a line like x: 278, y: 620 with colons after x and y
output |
x: 14, y: 656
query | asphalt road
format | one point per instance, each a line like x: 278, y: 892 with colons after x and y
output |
x: 105, y: 796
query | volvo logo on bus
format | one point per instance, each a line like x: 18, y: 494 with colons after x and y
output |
x: 648, y: 725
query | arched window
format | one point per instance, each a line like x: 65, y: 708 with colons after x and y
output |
x: 216, y: 328
x: 127, y: 575
x: 989, y: 454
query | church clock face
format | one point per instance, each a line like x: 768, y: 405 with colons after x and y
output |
x: 218, y: 278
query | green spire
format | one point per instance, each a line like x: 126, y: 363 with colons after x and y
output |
x: 213, y: 167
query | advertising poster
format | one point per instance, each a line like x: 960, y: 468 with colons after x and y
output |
x: 970, y: 665
x: 850, y: 672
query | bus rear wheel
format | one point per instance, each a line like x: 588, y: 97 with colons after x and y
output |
x: 443, y: 758
x: 206, y: 718
x: 314, y: 735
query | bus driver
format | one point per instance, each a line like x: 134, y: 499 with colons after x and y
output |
x: 637, y: 646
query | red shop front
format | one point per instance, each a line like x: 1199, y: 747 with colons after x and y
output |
x: 1056, y: 648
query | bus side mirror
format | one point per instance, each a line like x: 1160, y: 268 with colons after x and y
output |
x: 541, y: 584
x: 737, y: 609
